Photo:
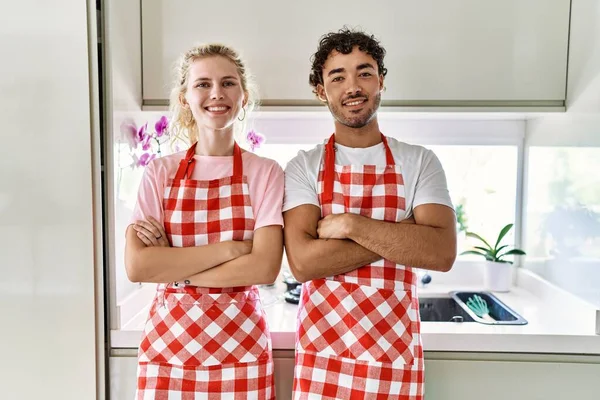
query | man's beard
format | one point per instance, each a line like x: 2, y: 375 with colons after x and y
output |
x: 357, y: 121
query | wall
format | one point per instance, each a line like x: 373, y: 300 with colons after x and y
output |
x: 47, y: 226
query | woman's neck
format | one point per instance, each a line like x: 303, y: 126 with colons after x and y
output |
x: 215, y: 142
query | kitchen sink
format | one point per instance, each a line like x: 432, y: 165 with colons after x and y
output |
x: 500, y: 312
x: 453, y: 308
x: 442, y: 309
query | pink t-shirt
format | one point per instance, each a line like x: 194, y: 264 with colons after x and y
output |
x: 265, y: 183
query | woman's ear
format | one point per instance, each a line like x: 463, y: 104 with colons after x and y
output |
x: 182, y: 101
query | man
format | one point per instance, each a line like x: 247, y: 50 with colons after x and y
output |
x: 361, y: 211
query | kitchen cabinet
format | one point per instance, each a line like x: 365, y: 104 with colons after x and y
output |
x: 449, y: 376
x: 463, y: 53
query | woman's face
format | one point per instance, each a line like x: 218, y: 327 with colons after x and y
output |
x: 214, y: 92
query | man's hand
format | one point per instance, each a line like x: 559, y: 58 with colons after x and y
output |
x: 334, y: 226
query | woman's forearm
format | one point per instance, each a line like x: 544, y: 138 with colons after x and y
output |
x: 169, y: 264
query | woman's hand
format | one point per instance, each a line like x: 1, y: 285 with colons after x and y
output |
x: 151, y: 233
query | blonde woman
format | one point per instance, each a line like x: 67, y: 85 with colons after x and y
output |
x: 208, y: 229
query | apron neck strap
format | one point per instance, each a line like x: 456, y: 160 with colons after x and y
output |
x: 329, y: 170
x: 238, y: 165
x: 187, y: 164
x: 389, y: 157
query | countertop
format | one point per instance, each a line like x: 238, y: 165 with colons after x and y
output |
x: 558, y: 322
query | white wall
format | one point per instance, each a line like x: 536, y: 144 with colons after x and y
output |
x: 47, y: 259
x: 578, y: 127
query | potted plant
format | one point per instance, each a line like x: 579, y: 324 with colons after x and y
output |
x: 497, y: 271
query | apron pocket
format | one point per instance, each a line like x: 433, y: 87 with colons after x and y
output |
x: 358, y: 322
x: 203, y: 331
x: 234, y: 332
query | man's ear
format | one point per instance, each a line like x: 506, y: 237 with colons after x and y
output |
x: 321, y: 93
x: 381, y: 85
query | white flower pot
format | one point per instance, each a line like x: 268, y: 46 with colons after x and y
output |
x: 497, y: 276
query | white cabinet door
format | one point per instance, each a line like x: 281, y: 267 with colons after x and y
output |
x: 283, y: 362
x: 516, y: 380
x: 437, y: 50
x: 122, y: 377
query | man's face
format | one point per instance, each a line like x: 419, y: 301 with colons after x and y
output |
x: 352, y: 87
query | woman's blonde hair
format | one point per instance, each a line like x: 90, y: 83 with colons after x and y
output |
x: 183, y: 125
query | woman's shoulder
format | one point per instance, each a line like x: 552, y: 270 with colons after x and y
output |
x: 165, y: 165
x: 259, y: 163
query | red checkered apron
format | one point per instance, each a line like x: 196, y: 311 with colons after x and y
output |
x: 359, y: 332
x: 206, y: 343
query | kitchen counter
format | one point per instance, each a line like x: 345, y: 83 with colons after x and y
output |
x: 558, y: 322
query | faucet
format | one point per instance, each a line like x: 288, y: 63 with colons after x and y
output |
x: 424, y: 277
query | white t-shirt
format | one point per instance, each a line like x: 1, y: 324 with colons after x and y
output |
x: 424, y: 177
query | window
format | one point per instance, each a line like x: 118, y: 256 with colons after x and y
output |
x: 483, y: 185
x: 562, y: 218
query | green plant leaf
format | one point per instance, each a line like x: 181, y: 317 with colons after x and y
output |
x: 474, y: 252
x: 503, y: 233
x: 501, y: 247
x: 485, y: 250
x: 516, y: 252
x: 476, y: 236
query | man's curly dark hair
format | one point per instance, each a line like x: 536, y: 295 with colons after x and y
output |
x: 344, y: 41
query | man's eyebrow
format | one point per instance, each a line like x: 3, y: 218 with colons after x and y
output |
x: 364, y: 66
x: 336, y: 71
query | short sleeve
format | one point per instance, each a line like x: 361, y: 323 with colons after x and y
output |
x: 269, y: 210
x: 299, y: 187
x: 150, y: 196
x: 432, y: 187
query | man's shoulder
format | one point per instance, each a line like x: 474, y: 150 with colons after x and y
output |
x: 406, y: 150
x: 308, y: 158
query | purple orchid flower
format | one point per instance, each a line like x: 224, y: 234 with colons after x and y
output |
x: 146, y: 143
x: 255, y: 139
x: 129, y: 133
x: 145, y: 159
x: 161, y: 126
x: 141, y: 133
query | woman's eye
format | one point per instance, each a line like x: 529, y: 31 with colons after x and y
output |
x: 228, y: 83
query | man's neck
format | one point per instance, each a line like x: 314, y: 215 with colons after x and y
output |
x: 367, y: 136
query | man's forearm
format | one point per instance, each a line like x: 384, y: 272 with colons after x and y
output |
x: 319, y: 258
x: 413, y: 245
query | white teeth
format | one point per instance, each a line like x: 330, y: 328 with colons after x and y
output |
x: 355, y: 103
x: 216, y: 109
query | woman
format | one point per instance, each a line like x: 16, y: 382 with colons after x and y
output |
x: 208, y: 229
